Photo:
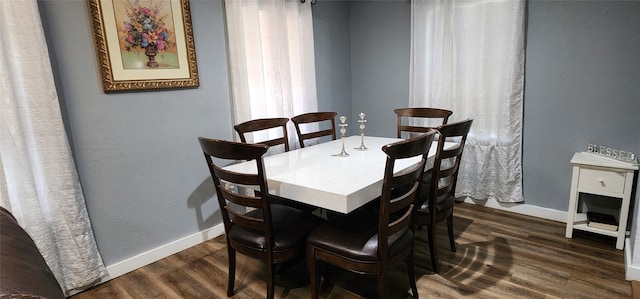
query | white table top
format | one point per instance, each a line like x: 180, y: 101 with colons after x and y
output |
x: 314, y: 176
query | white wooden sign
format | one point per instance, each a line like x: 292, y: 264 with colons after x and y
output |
x: 620, y: 155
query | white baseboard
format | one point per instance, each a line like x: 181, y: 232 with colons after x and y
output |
x: 632, y: 272
x: 153, y: 255
x: 521, y: 208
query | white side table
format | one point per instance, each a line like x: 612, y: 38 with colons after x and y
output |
x: 600, y: 176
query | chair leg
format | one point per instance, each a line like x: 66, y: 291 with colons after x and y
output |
x: 383, y: 290
x: 433, y: 248
x: 450, y: 229
x: 232, y: 270
x: 314, y: 273
x: 271, y: 274
x: 412, y: 275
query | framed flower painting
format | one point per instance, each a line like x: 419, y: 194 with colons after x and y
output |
x: 144, y: 44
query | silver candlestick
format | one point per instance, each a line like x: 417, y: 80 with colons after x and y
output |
x: 361, y: 121
x: 343, y: 120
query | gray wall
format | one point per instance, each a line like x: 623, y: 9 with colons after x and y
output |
x: 332, y: 38
x: 137, y: 155
x: 582, y: 74
x: 380, y: 40
x: 141, y: 168
x: 139, y: 162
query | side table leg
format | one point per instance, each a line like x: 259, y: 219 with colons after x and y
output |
x: 573, y: 202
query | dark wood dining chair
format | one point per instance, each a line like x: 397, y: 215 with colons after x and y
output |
x: 415, y: 121
x: 265, y: 125
x: 428, y: 118
x: 324, y: 120
x: 269, y: 232
x: 278, y: 124
x: 437, y: 195
x: 372, y: 242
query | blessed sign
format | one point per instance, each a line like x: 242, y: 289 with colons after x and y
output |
x: 617, y: 154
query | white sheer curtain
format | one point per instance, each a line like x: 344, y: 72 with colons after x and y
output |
x: 271, y: 59
x: 468, y: 56
x: 38, y: 179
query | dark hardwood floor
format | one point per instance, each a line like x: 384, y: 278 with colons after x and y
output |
x: 499, y: 255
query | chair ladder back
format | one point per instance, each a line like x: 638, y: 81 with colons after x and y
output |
x: 398, y: 201
x: 237, y: 178
x: 414, y: 115
x: 317, y: 134
x: 265, y: 124
x: 396, y: 207
x: 447, y: 162
x: 240, y: 199
x: 242, y: 219
x: 229, y: 184
x: 460, y: 131
x: 319, y: 118
x: 404, y: 188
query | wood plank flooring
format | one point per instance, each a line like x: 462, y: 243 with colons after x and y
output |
x: 499, y: 255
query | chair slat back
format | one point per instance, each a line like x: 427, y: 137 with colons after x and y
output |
x: 303, y: 123
x: 447, y: 161
x: 264, y: 125
x: 408, y: 118
x: 399, y: 190
x: 236, y: 191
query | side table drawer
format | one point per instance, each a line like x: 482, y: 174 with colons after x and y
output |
x: 602, y: 180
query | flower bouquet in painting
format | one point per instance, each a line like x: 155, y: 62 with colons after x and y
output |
x: 145, y: 26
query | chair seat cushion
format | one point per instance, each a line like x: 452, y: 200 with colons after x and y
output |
x: 355, y: 236
x: 275, y: 199
x: 290, y: 229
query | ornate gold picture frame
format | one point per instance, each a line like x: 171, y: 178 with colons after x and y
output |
x: 144, y: 44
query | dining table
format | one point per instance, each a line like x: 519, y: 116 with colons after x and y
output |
x: 338, y: 175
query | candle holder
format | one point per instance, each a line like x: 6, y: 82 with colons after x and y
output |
x: 343, y: 124
x: 361, y: 121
